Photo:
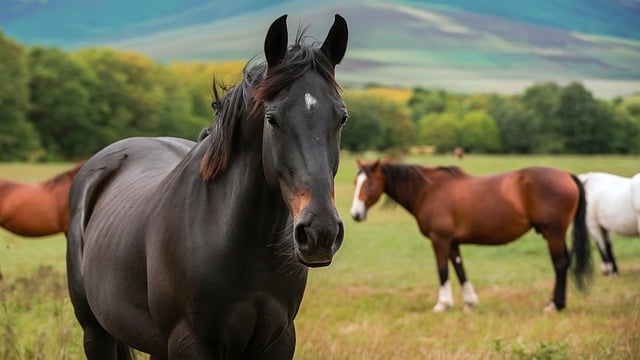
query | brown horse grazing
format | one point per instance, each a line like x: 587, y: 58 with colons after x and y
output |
x: 453, y: 208
x: 37, y: 209
x: 459, y: 152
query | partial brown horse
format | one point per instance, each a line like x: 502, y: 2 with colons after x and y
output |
x: 453, y: 208
x: 37, y: 209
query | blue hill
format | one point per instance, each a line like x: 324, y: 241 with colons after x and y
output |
x: 461, y: 45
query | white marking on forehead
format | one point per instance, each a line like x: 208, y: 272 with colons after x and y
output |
x: 310, y: 101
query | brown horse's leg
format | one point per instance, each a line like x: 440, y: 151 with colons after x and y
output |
x: 560, y: 259
x: 445, y: 295
x: 468, y: 293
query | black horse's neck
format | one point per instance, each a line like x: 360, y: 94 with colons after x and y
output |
x: 403, y: 184
x: 254, y: 214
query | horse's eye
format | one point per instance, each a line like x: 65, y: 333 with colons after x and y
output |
x: 344, y: 119
x: 271, y: 120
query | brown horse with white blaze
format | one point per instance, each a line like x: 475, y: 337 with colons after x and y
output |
x: 453, y: 208
x: 37, y: 209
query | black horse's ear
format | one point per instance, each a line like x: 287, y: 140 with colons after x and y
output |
x: 335, y: 45
x: 276, y: 41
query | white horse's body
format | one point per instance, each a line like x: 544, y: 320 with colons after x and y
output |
x: 613, y: 206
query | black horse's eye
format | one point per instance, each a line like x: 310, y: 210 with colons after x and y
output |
x: 271, y: 120
x: 344, y: 119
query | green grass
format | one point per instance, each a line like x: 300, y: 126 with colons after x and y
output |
x: 375, y: 300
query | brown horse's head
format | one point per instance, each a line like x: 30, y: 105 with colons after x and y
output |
x: 369, y: 187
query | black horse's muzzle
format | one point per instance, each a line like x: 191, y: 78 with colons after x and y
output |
x: 317, y: 237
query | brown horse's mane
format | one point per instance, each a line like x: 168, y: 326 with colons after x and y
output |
x: 398, y: 177
x: 455, y: 171
x: 67, y: 175
x: 258, y: 84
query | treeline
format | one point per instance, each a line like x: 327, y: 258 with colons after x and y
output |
x: 545, y: 119
x: 57, y: 105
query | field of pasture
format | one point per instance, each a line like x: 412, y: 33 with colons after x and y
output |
x: 375, y: 300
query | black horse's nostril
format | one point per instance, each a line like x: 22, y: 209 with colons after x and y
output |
x: 301, y: 237
x: 339, y: 237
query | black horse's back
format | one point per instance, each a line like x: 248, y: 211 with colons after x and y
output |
x: 103, y: 170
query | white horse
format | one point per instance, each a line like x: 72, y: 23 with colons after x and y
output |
x: 613, y: 206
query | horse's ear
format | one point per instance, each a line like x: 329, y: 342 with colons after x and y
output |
x: 375, y: 165
x: 276, y: 41
x: 358, y: 162
x: 335, y: 45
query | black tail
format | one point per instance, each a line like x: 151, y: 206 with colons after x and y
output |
x: 581, y: 251
x: 124, y: 352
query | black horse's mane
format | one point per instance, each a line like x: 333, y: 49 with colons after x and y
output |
x: 257, y: 85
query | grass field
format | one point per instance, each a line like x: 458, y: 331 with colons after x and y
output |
x: 375, y: 300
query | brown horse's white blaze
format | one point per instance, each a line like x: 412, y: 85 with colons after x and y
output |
x: 358, y: 207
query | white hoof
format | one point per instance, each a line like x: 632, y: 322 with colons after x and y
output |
x: 551, y: 308
x: 469, y: 295
x: 440, y: 307
x: 607, y: 269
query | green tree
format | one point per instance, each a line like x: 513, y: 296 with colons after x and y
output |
x: 18, y: 138
x: 363, y: 131
x: 61, y: 103
x: 478, y: 132
x: 628, y: 110
x: 441, y: 130
x: 424, y: 102
x: 398, y: 130
x: 516, y: 127
x: 587, y: 125
x: 473, y: 130
x: 541, y: 100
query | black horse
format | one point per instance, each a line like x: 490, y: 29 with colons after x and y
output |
x: 190, y: 250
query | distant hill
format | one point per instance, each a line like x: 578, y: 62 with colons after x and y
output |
x: 461, y: 45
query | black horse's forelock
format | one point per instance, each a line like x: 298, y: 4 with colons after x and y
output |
x: 258, y: 84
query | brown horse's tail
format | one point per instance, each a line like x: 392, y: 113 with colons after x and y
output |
x: 581, y: 251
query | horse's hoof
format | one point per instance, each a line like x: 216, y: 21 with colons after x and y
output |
x: 607, y: 269
x: 440, y: 307
x: 551, y: 308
